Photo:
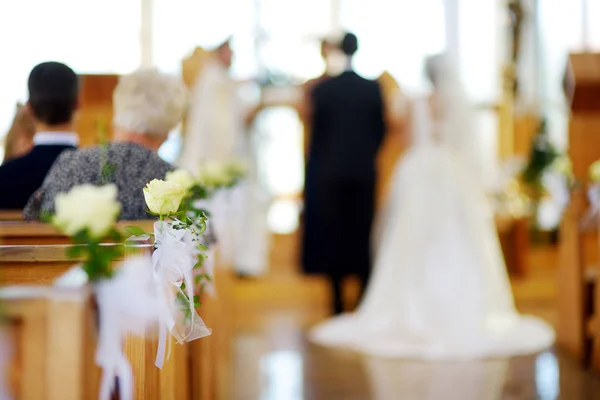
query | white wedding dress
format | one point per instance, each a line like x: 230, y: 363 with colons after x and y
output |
x: 439, y: 287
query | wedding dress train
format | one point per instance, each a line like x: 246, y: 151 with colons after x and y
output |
x: 439, y: 287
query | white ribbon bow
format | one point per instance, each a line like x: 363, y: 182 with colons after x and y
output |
x: 126, y: 303
x: 173, y: 262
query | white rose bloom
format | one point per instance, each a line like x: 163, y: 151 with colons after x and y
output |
x: 213, y: 174
x: 182, y: 177
x: 163, y: 198
x: 595, y: 172
x: 563, y: 165
x: 94, y: 208
x: 237, y: 168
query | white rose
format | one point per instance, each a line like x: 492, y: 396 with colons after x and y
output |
x: 94, y: 208
x: 163, y: 198
x: 237, y: 168
x: 595, y: 172
x: 563, y: 165
x: 182, y: 177
x: 213, y: 174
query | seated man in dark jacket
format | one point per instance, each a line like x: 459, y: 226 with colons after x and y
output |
x: 53, y: 98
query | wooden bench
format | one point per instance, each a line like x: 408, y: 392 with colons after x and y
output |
x: 578, y: 292
x: 25, y: 232
x: 195, y: 370
x: 579, y: 303
x: 41, y: 265
x: 11, y: 215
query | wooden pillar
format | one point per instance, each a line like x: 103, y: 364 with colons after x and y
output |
x: 96, y: 108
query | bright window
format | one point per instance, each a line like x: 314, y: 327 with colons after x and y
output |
x: 88, y: 35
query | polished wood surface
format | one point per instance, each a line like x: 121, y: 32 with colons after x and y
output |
x: 38, y: 233
x: 40, y: 264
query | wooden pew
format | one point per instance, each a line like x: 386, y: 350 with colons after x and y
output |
x: 190, y: 372
x: 578, y: 294
x: 514, y: 239
x: 26, y: 232
x: 577, y: 329
x: 211, y: 355
x: 46, y: 328
x: 43, y: 264
x: 11, y: 215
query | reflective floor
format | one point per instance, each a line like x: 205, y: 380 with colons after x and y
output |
x: 273, y: 361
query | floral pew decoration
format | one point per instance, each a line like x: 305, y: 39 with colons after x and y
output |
x: 539, y: 187
x: 180, y: 261
x: 125, y: 294
x: 223, y: 200
x: 557, y: 183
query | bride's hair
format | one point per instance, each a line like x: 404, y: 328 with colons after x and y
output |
x: 430, y: 70
x: 458, y: 116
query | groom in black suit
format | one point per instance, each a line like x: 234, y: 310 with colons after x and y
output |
x: 348, y: 128
x: 53, y: 99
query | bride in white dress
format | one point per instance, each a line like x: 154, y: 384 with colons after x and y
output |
x: 439, y: 288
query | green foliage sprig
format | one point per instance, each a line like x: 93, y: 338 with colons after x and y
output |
x: 97, y: 257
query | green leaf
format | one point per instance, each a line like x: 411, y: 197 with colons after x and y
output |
x: 46, y: 216
x: 135, y: 231
x: 115, y: 235
x: 75, y: 251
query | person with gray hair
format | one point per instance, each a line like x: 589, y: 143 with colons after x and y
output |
x: 147, y: 106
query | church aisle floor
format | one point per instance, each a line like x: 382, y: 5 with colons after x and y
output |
x: 272, y: 359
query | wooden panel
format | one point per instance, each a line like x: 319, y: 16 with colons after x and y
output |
x: 570, y: 286
x: 584, y: 142
x: 50, y: 335
x: 583, y: 82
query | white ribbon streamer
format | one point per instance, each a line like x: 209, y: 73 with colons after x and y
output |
x: 126, y: 304
x: 173, y: 262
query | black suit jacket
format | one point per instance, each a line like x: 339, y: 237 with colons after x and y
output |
x: 347, y: 128
x: 20, y: 177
